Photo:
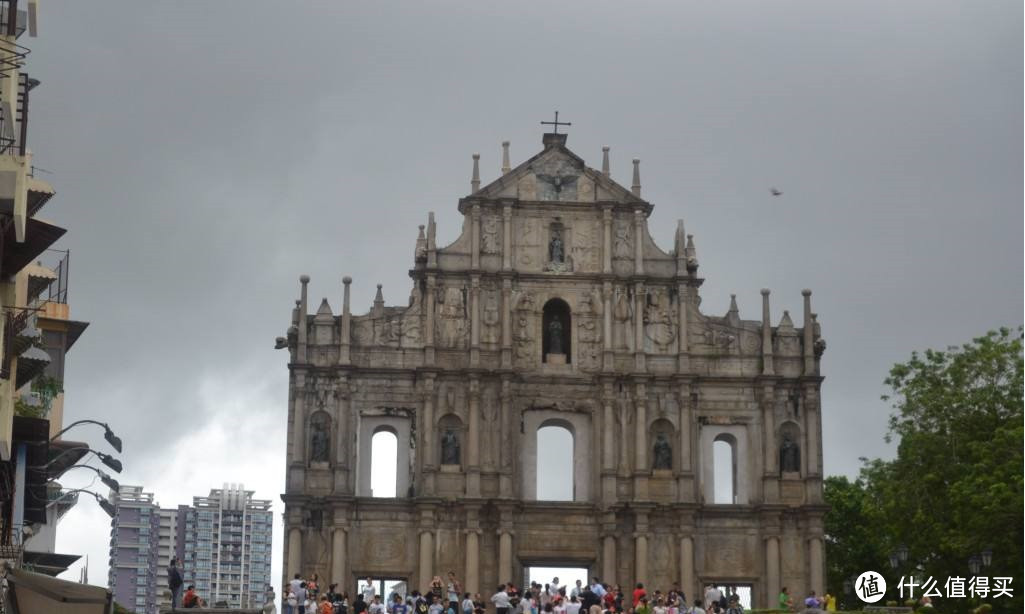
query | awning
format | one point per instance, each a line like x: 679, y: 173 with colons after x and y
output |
x: 39, y: 235
x: 49, y: 563
x: 34, y: 593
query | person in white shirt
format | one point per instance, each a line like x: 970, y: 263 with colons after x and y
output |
x: 368, y: 591
x: 376, y: 607
x: 712, y: 594
x: 575, y: 592
x: 554, y: 586
x: 573, y: 607
x: 697, y: 609
x: 501, y: 601
x: 559, y: 608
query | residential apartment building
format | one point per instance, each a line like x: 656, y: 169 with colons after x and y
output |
x: 223, y: 543
x: 134, y: 543
x: 228, y: 546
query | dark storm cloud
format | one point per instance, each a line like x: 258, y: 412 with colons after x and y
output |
x: 206, y: 154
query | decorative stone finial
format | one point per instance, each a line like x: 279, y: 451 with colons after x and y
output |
x: 806, y: 292
x: 505, y: 157
x: 346, y: 280
x: 475, y: 180
x: 636, y: 187
x: 692, y: 254
x: 765, y: 292
x: 733, y: 304
x: 304, y: 279
x: 605, y: 160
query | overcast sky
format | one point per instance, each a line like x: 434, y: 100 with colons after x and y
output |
x: 205, y: 154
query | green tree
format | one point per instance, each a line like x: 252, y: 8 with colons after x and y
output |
x: 956, y: 485
x: 853, y: 540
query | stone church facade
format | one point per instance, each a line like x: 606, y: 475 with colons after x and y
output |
x: 554, y: 306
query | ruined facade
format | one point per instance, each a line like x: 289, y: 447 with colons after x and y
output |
x: 554, y: 306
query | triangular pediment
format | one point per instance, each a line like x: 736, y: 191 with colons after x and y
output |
x: 556, y: 174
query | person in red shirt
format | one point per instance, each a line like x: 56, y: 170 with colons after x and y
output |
x: 191, y: 599
x: 638, y: 593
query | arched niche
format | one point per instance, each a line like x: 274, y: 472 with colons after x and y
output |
x: 451, y: 440
x: 384, y: 470
x: 318, y: 438
x: 556, y: 332
x: 662, y: 445
x: 579, y: 425
x: 554, y: 467
x: 789, y: 451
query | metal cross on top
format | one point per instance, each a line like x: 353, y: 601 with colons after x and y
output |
x: 557, y: 123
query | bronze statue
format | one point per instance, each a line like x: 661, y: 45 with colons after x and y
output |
x: 449, y: 448
x: 789, y: 456
x: 663, y: 453
x: 555, y: 337
x: 319, y: 442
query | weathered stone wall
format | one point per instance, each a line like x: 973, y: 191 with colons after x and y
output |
x: 462, y: 362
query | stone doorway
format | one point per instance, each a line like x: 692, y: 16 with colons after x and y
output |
x: 384, y: 587
x: 744, y: 591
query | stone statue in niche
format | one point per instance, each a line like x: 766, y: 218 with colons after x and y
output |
x: 663, y: 453
x: 789, y: 456
x: 452, y: 320
x: 556, y: 249
x: 449, y: 448
x: 622, y: 245
x: 658, y: 320
x: 555, y: 337
x: 489, y: 240
x: 320, y: 439
x: 491, y: 317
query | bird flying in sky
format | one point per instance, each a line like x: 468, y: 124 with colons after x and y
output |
x: 775, y: 192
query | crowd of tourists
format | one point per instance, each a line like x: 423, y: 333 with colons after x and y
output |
x: 446, y: 596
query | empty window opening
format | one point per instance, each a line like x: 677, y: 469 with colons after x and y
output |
x: 384, y: 453
x: 743, y: 592
x: 567, y: 577
x: 724, y: 465
x: 554, y: 463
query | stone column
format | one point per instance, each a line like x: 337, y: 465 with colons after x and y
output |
x: 639, y: 299
x: 683, y: 343
x: 343, y: 352
x: 473, y: 445
x: 638, y: 242
x: 301, y: 356
x: 608, y: 355
x: 640, y: 443
x: 339, y: 547
x: 608, y: 443
x: 608, y: 558
x: 812, y: 428
x: 472, y: 576
x: 475, y: 237
x: 505, y: 449
x: 474, y: 320
x: 430, y: 451
x: 299, y: 420
x: 342, y: 436
x: 772, y: 580
x: 507, y: 238
x: 506, y: 323
x: 505, y: 573
x: 606, y: 250
x: 685, y: 483
x: 767, y: 366
x: 809, y: 331
x: 641, y: 557
x: 815, y: 562
x: 687, y: 567
x: 426, y: 557
x: 295, y: 551
x: 429, y: 324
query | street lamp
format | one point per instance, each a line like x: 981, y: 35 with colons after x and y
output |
x: 902, y: 553
x: 107, y: 506
x: 110, y: 482
x: 112, y: 439
x: 987, y: 557
x: 106, y: 459
x: 894, y: 560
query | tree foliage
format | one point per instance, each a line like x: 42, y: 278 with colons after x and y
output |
x: 956, y: 485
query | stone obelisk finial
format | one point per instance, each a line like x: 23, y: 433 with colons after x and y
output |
x: 605, y: 160
x: 475, y: 180
x: 505, y: 157
x: 809, y: 356
x: 636, y: 187
x: 767, y: 367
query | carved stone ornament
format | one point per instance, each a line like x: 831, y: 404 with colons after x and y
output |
x: 490, y: 238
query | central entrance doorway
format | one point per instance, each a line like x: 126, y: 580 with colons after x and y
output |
x: 567, y: 575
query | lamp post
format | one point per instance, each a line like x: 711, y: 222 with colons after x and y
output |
x: 106, y: 459
x: 112, y: 439
x: 106, y: 505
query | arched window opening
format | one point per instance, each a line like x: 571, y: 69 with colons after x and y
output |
x: 556, y: 332
x: 554, y: 463
x: 724, y: 466
x: 384, y: 454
